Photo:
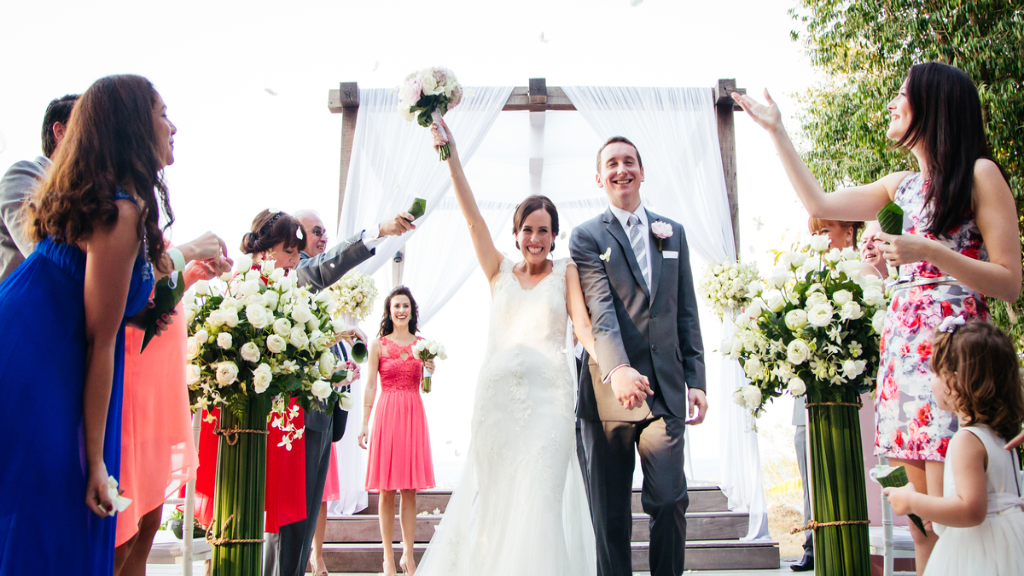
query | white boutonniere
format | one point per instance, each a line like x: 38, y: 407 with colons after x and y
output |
x: 607, y: 256
x: 661, y: 231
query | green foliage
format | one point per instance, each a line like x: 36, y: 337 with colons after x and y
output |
x: 867, y: 47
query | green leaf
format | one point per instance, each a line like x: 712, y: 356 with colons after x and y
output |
x: 890, y: 218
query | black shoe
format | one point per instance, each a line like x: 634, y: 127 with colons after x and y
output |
x: 806, y: 564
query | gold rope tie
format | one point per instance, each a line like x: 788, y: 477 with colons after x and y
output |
x: 852, y: 404
x: 231, y: 434
x: 222, y: 541
x: 812, y: 525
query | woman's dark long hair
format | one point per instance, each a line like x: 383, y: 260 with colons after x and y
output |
x: 387, y: 326
x: 110, y: 142
x: 270, y: 229
x: 946, y: 121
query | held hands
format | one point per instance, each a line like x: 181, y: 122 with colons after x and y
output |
x: 363, y: 437
x: 901, y: 498
x: 699, y: 401
x: 630, y: 387
x: 767, y: 117
x: 904, y: 248
x: 439, y: 138
x: 398, y: 225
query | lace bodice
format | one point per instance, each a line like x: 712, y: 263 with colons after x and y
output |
x: 397, y: 374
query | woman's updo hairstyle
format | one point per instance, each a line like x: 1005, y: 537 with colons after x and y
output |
x: 531, y: 205
x: 270, y: 229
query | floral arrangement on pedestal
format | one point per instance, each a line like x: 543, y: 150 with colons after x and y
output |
x: 255, y: 341
x: 814, y: 330
x: 427, y: 95
x: 729, y: 285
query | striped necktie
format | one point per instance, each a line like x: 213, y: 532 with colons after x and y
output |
x: 636, y: 239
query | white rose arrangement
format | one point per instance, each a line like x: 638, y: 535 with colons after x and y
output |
x: 425, y: 350
x: 812, y: 329
x: 258, y: 333
x: 729, y: 285
x: 354, y: 295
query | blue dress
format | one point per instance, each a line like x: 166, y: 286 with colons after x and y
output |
x: 45, y: 526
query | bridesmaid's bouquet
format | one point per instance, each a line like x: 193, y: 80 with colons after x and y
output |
x: 425, y: 350
x: 259, y: 334
x: 428, y: 94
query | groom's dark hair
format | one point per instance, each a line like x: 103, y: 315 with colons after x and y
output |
x: 614, y: 140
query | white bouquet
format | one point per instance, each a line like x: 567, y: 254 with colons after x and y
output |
x: 428, y: 94
x: 261, y: 334
x: 353, y: 295
x: 425, y: 350
x: 730, y: 285
x: 813, y: 330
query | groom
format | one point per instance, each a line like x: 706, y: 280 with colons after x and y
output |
x: 634, y: 268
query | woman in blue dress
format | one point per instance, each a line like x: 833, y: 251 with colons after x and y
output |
x: 96, y: 221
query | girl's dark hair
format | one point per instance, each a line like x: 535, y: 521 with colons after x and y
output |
x: 110, y: 143
x: 531, y: 205
x: 270, y: 229
x: 980, y: 364
x: 946, y: 121
x: 387, y: 326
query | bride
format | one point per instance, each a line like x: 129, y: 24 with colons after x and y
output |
x: 520, y: 507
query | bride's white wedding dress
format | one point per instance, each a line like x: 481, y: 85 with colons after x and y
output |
x: 520, y: 508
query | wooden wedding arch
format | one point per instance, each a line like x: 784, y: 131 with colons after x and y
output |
x: 539, y: 97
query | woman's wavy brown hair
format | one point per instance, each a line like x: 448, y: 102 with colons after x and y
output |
x: 980, y: 365
x: 110, y: 143
x: 270, y: 229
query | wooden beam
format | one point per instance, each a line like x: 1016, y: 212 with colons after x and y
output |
x: 724, y: 108
x: 523, y: 99
x: 346, y: 101
x: 538, y: 91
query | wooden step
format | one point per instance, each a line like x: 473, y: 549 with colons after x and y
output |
x: 699, y: 526
x: 705, y: 555
x: 702, y: 499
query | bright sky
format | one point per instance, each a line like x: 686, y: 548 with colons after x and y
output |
x: 246, y: 83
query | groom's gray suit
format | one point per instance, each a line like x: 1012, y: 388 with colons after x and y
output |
x: 656, y: 331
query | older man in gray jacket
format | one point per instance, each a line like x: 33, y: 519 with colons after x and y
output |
x: 288, y: 552
x: 21, y: 179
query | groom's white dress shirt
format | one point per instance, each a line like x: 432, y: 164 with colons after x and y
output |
x: 641, y: 213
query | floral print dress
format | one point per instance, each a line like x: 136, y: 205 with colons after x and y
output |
x: 908, y: 423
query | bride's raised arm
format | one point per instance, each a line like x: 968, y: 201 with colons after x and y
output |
x: 488, y: 256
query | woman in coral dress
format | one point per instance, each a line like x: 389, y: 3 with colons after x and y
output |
x: 400, y: 442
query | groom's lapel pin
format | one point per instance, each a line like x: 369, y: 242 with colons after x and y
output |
x: 607, y: 256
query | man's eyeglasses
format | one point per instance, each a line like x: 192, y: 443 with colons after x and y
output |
x: 318, y: 232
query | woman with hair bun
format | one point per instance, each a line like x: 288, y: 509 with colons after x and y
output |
x: 960, y: 242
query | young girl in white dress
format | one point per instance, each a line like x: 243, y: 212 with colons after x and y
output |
x: 980, y: 517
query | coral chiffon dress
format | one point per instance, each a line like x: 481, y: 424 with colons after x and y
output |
x: 399, y: 441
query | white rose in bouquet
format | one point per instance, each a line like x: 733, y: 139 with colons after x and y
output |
x: 873, y: 296
x: 301, y: 314
x: 271, y: 298
x: 286, y: 284
x: 278, y: 274
x: 192, y: 374
x: 851, y: 311
x: 853, y: 368
x: 751, y: 396
x: 820, y: 315
x: 227, y: 373
x: 282, y: 327
x: 224, y: 340
x: 775, y: 300
x: 841, y: 297
x: 346, y: 402
x: 268, y: 267
x: 754, y: 289
x: 191, y: 349
x: 257, y: 315
x: 752, y: 367
x: 878, y: 321
x: 312, y: 325
x: 243, y: 263
x: 250, y: 352
x: 796, y: 319
x: 327, y: 364
x: 779, y: 278
x: 276, y: 344
x: 798, y: 352
x: 261, y: 378
x: 321, y: 389
x: 796, y: 387
x: 820, y: 243
x: 202, y: 338
x: 249, y: 287
x: 737, y: 397
x: 755, y: 308
x: 252, y: 276
x: 298, y: 338
x: 202, y: 287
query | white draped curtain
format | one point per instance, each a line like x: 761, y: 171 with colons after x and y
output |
x: 393, y: 161
x: 676, y: 132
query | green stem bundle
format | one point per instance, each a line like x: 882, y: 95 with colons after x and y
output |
x: 838, y: 489
x: 237, y: 528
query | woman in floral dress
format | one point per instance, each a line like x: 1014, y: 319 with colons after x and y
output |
x: 960, y: 242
